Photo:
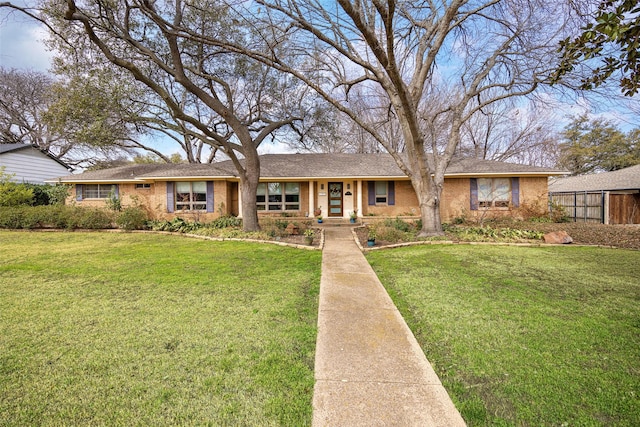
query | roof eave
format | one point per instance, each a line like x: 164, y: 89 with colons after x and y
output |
x: 185, y: 178
x: 507, y: 174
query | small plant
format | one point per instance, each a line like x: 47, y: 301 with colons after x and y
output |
x: 113, y: 202
x: 353, y: 214
x: 371, y: 235
x: 309, y: 234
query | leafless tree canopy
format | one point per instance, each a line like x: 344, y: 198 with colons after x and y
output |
x: 176, y: 50
x: 412, y: 74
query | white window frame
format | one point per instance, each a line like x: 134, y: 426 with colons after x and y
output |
x: 381, y: 198
x: 278, y: 197
x: 190, y: 200
x: 494, y: 192
x: 100, y: 191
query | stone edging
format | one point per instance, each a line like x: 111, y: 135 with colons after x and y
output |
x: 451, y: 242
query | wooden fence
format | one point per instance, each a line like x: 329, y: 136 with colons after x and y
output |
x: 624, y: 208
x: 581, y: 206
x: 591, y: 206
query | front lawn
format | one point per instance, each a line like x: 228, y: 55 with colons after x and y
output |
x: 132, y: 329
x: 546, y: 336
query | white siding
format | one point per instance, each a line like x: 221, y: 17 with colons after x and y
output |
x: 31, y: 165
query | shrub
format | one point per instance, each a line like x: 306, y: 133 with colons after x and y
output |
x: 391, y: 234
x: 12, y: 194
x: 398, y: 224
x: 40, y: 194
x: 60, y: 216
x: 11, y: 217
x: 92, y: 219
x: 176, y: 225
x: 113, y: 202
x: 225, y: 222
x: 58, y: 193
x: 132, y: 218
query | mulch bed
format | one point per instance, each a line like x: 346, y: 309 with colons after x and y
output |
x: 620, y: 236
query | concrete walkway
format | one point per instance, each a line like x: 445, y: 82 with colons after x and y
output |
x: 369, y: 369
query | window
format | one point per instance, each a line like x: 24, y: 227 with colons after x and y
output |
x: 292, y: 196
x: 191, y: 196
x: 276, y: 196
x: 98, y: 191
x: 381, y: 192
x: 145, y: 186
x: 494, y: 192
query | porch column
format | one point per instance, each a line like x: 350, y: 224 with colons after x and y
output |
x: 359, y: 202
x: 239, y: 202
x: 312, y: 196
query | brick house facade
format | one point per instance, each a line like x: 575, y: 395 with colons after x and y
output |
x: 297, y: 185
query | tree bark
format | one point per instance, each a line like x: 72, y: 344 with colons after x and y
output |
x: 248, y: 187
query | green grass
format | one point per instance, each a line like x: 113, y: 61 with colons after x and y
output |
x: 525, y: 336
x: 132, y: 329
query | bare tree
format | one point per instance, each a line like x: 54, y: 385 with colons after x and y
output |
x: 512, y: 133
x: 173, y: 48
x: 27, y: 100
x: 465, y: 55
x: 24, y: 99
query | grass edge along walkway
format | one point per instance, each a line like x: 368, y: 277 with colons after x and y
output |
x: 525, y: 335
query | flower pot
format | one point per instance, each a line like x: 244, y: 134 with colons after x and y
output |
x: 308, y: 240
x: 319, y: 221
x: 352, y: 220
x: 371, y: 242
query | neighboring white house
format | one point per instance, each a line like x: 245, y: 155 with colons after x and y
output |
x: 27, y: 163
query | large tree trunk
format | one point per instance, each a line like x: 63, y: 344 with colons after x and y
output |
x: 429, y: 200
x: 248, y: 188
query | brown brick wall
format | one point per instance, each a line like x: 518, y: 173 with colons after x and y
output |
x: 455, y: 200
x: 406, y: 201
x: 454, y: 203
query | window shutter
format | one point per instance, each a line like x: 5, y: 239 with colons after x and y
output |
x: 515, y: 192
x: 391, y: 193
x: 209, y: 196
x: 371, y: 186
x: 117, y: 191
x: 474, y: 194
x: 170, y: 197
x: 78, y: 192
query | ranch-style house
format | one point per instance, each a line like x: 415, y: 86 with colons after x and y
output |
x: 305, y: 185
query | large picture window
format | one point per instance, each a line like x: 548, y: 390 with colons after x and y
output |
x: 276, y: 196
x: 191, y: 196
x: 494, y: 192
x: 98, y: 191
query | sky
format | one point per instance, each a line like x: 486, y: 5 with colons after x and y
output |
x: 21, y: 47
x: 21, y: 43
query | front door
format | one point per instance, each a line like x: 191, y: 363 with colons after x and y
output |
x: 335, y: 199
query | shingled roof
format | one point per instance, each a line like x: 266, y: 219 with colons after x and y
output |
x: 623, y: 179
x: 304, y: 166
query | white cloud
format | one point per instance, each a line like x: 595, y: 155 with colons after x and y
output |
x: 21, y: 43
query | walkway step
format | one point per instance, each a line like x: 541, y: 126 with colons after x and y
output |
x: 369, y: 367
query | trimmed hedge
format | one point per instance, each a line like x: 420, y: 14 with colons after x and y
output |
x: 70, y: 218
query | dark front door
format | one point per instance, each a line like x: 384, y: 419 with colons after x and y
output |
x: 335, y: 199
